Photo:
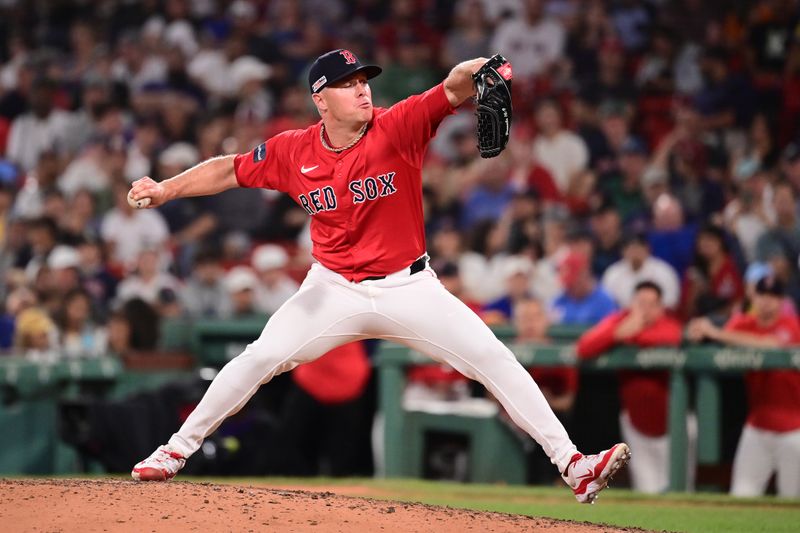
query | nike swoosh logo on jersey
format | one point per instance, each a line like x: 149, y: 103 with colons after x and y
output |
x: 305, y: 170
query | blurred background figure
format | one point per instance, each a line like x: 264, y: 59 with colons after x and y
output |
x: 652, y: 142
x: 583, y: 302
x: 275, y: 286
x: 644, y: 395
x: 771, y: 434
x: 637, y: 265
x: 242, y: 286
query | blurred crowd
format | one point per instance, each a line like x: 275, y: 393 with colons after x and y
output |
x: 652, y: 140
x: 652, y: 175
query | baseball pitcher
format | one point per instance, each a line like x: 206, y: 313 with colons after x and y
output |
x: 357, y: 173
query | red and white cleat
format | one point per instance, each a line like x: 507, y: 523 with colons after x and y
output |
x: 162, y: 465
x: 589, y: 474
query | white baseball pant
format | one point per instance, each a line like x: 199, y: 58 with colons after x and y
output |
x: 649, y: 465
x: 761, y: 453
x: 414, y: 310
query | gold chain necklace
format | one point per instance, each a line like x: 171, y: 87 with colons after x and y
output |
x: 343, y: 148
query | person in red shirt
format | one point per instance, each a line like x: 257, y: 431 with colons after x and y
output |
x: 713, y: 285
x: 323, y: 415
x: 770, y: 441
x: 357, y: 173
x: 644, y: 395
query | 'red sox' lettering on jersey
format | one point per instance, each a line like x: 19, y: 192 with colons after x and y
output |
x: 365, y: 201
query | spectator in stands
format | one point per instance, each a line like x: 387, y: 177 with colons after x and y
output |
x: 79, y: 336
x: 79, y: 220
x: 36, y: 335
x: 42, y: 238
x: 490, y: 196
x: 119, y: 334
x: 562, y: 153
x: 142, y: 148
x: 533, y: 43
x: 605, y: 225
x: 89, y: 170
x: 611, y: 82
x: 482, y: 266
x: 42, y: 128
x: 270, y: 262
x: 644, y: 395
x: 746, y: 215
x: 518, y: 272
x: 190, y: 220
x: 148, y: 279
x: 583, y: 301
x: 406, y: 73
x: 40, y: 181
x: 450, y: 277
x: 18, y: 300
x: 632, y: 20
x: 637, y: 265
x: 713, y: 285
x: 242, y: 284
x: 790, y: 164
x: 97, y: 279
x: 770, y: 441
x: 143, y: 328
x: 780, y: 245
x: 670, y: 238
x: 469, y: 36
x: 204, y: 295
x: 64, y: 264
x: 127, y: 231
x: 623, y: 188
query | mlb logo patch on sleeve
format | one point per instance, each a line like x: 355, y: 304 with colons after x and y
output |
x: 260, y: 153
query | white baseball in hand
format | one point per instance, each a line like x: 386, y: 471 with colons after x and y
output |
x: 138, y: 204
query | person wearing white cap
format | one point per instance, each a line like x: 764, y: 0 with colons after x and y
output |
x: 247, y: 75
x: 64, y: 263
x: 149, y: 281
x: 241, y: 284
x: 269, y: 261
x: 517, y: 272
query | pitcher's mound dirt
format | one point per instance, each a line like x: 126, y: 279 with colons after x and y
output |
x: 179, y: 506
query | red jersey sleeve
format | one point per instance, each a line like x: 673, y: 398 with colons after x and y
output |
x: 741, y: 322
x: 599, y: 338
x: 666, y: 332
x: 263, y: 166
x: 412, y: 122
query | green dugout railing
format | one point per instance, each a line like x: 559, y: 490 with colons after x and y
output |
x: 705, y: 362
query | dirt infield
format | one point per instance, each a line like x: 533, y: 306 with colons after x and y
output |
x: 127, y: 506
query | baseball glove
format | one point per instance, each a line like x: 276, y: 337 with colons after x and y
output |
x: 493, y: 84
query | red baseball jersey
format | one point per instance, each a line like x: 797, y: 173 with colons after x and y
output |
x: 366, y: 201
x: 644, y: 394
x: 773, y: 395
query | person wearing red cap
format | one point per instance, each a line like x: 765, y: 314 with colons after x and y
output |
x: 583, y: 300
x: 770, y: 441
x: 358, y: 175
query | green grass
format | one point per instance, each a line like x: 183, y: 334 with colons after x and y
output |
x: 702, y: 513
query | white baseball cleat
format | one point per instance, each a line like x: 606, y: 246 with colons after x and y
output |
x: 162, y: 465
x: 589, y: 474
